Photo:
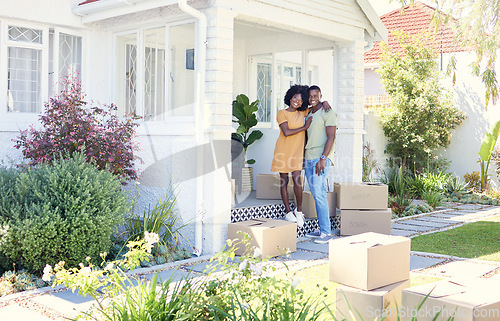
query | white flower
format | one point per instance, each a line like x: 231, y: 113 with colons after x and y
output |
x: 109, y: 266
x: 257, y: 269
x: 47, y: 273
x: 85, y: 270
x: 257, y: 252
x: 243, y: 265
x: 151, y: 238
x: 295, y: 282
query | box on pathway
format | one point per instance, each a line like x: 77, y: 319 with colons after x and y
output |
x: 268, y: 187
x: 361, y: 196
x: 466, y: 300
x: 309, y: 207
x: 370, y: 260
x: 361, y: 221
x: 369, y: 305
x: 273, y: 237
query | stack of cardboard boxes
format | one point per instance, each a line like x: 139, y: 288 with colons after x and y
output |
x: 363, y: 208
x: 373, y: 269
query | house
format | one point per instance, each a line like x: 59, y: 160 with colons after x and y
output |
x: 468, y: 90
x: 179, y: 64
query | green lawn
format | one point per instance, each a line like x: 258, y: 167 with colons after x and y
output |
x: 475, y: 240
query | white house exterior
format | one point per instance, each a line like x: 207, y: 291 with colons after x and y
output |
x: 468, y: 92
x: 179, y: 64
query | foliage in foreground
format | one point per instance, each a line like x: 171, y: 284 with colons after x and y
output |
x: 239, y: 292
x: 421, y: 116
x: 64, y: 211
x: 69, y: 126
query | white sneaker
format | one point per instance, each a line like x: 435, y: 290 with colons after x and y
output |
x: 323, y: 238
x: 290, y: 217
x: 300, y: 218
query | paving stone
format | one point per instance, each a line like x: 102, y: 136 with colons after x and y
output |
x: 436, y: 219
x: 406, y: 227
x: 422, y: 262
x: 175, y: 275
x: 402, y: 232
x: 432, y: 225
x: 471, y: 206
x: 15, y: 312
x: 200, y: 267
x: 462, y: 269
x: 66, y: 302
x: 302, y: 256
x: 446, y: 215
x: 311, y: 246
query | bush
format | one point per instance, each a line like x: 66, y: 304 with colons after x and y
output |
x: 64, y: 211
x: 70, y: 126
x: 473, y: 181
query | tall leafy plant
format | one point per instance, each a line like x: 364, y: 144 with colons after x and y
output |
x: 246, y: 117
x: 421, y: 116
x: 486, y: 151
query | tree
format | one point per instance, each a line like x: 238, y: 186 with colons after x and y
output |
x: 422, y: 114
x: 478, y: 27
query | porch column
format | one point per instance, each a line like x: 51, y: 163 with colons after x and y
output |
x: 349, y: 140
x: 218, y: 126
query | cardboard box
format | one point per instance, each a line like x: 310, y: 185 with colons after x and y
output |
x: 361, y: 221
x: 268, y: 187
x: 273, y: 237
x: 370, y: 260
x: 361, y: 196
x: 309, y: 207
x: 469, y: 300
x: 368, y: 305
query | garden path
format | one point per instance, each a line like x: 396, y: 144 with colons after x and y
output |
x: 56, y: 303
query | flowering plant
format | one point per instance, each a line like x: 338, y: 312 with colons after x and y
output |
x: 106, y: 282
x: 69, y: 125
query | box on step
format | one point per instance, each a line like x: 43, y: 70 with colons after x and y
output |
x: 273, y: 237
x: 370, y: 260
x: 309, y: 206
x: 361, y: 196
x: 268, y: 186
x: 361, y: 221
x: 376, y: 304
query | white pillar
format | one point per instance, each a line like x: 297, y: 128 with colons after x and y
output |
x: 349, y: 139
x: 218, y: 126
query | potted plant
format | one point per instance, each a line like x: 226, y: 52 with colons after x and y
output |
x: 245, y: 115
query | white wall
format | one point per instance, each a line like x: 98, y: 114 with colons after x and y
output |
x: 469, y: 96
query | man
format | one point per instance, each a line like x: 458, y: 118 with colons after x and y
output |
x: 318, y: 160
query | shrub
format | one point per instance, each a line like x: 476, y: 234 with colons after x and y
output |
x: 473, y: 181
x: 69, y: 125
x: 64, y: 211
x: 370, y: 163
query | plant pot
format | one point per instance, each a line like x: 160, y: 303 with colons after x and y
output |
x: 247, y: 179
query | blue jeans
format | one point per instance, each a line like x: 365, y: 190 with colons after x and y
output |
x: 317, y: 184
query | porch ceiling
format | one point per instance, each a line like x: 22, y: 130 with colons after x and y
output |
x: 244, y: 29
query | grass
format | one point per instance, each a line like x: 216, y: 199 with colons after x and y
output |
x: 479, y: 240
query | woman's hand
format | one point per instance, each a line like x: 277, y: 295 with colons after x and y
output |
x: 326, y: 106
x: 308, y: 122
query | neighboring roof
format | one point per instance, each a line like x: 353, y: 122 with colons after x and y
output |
x: 415, y: 19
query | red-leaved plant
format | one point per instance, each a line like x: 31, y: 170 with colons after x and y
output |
x: 69, y: 126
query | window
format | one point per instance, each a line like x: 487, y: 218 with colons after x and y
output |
x: 30, y: 61
x: 154, y: 72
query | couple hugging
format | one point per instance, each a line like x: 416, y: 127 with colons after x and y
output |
x: 292, y: 153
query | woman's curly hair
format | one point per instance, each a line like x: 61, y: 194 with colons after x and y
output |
x: 298, y: 89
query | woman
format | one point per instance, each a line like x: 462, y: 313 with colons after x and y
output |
x: 289, y: 150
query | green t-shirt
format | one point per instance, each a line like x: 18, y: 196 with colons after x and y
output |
x: 316, y: 133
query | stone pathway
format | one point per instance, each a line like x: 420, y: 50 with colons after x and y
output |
x: 57, y: 303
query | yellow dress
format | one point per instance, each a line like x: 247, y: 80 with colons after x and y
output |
x: 289, y: 151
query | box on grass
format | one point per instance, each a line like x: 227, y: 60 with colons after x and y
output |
x: 361, y: 196
x: 273, y: 237
x: 309, y: 207
x: 361, y: 221
x: 466, y: 300
x: 369, y: 305
x: 370, y: 260
x: 268, y: 187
